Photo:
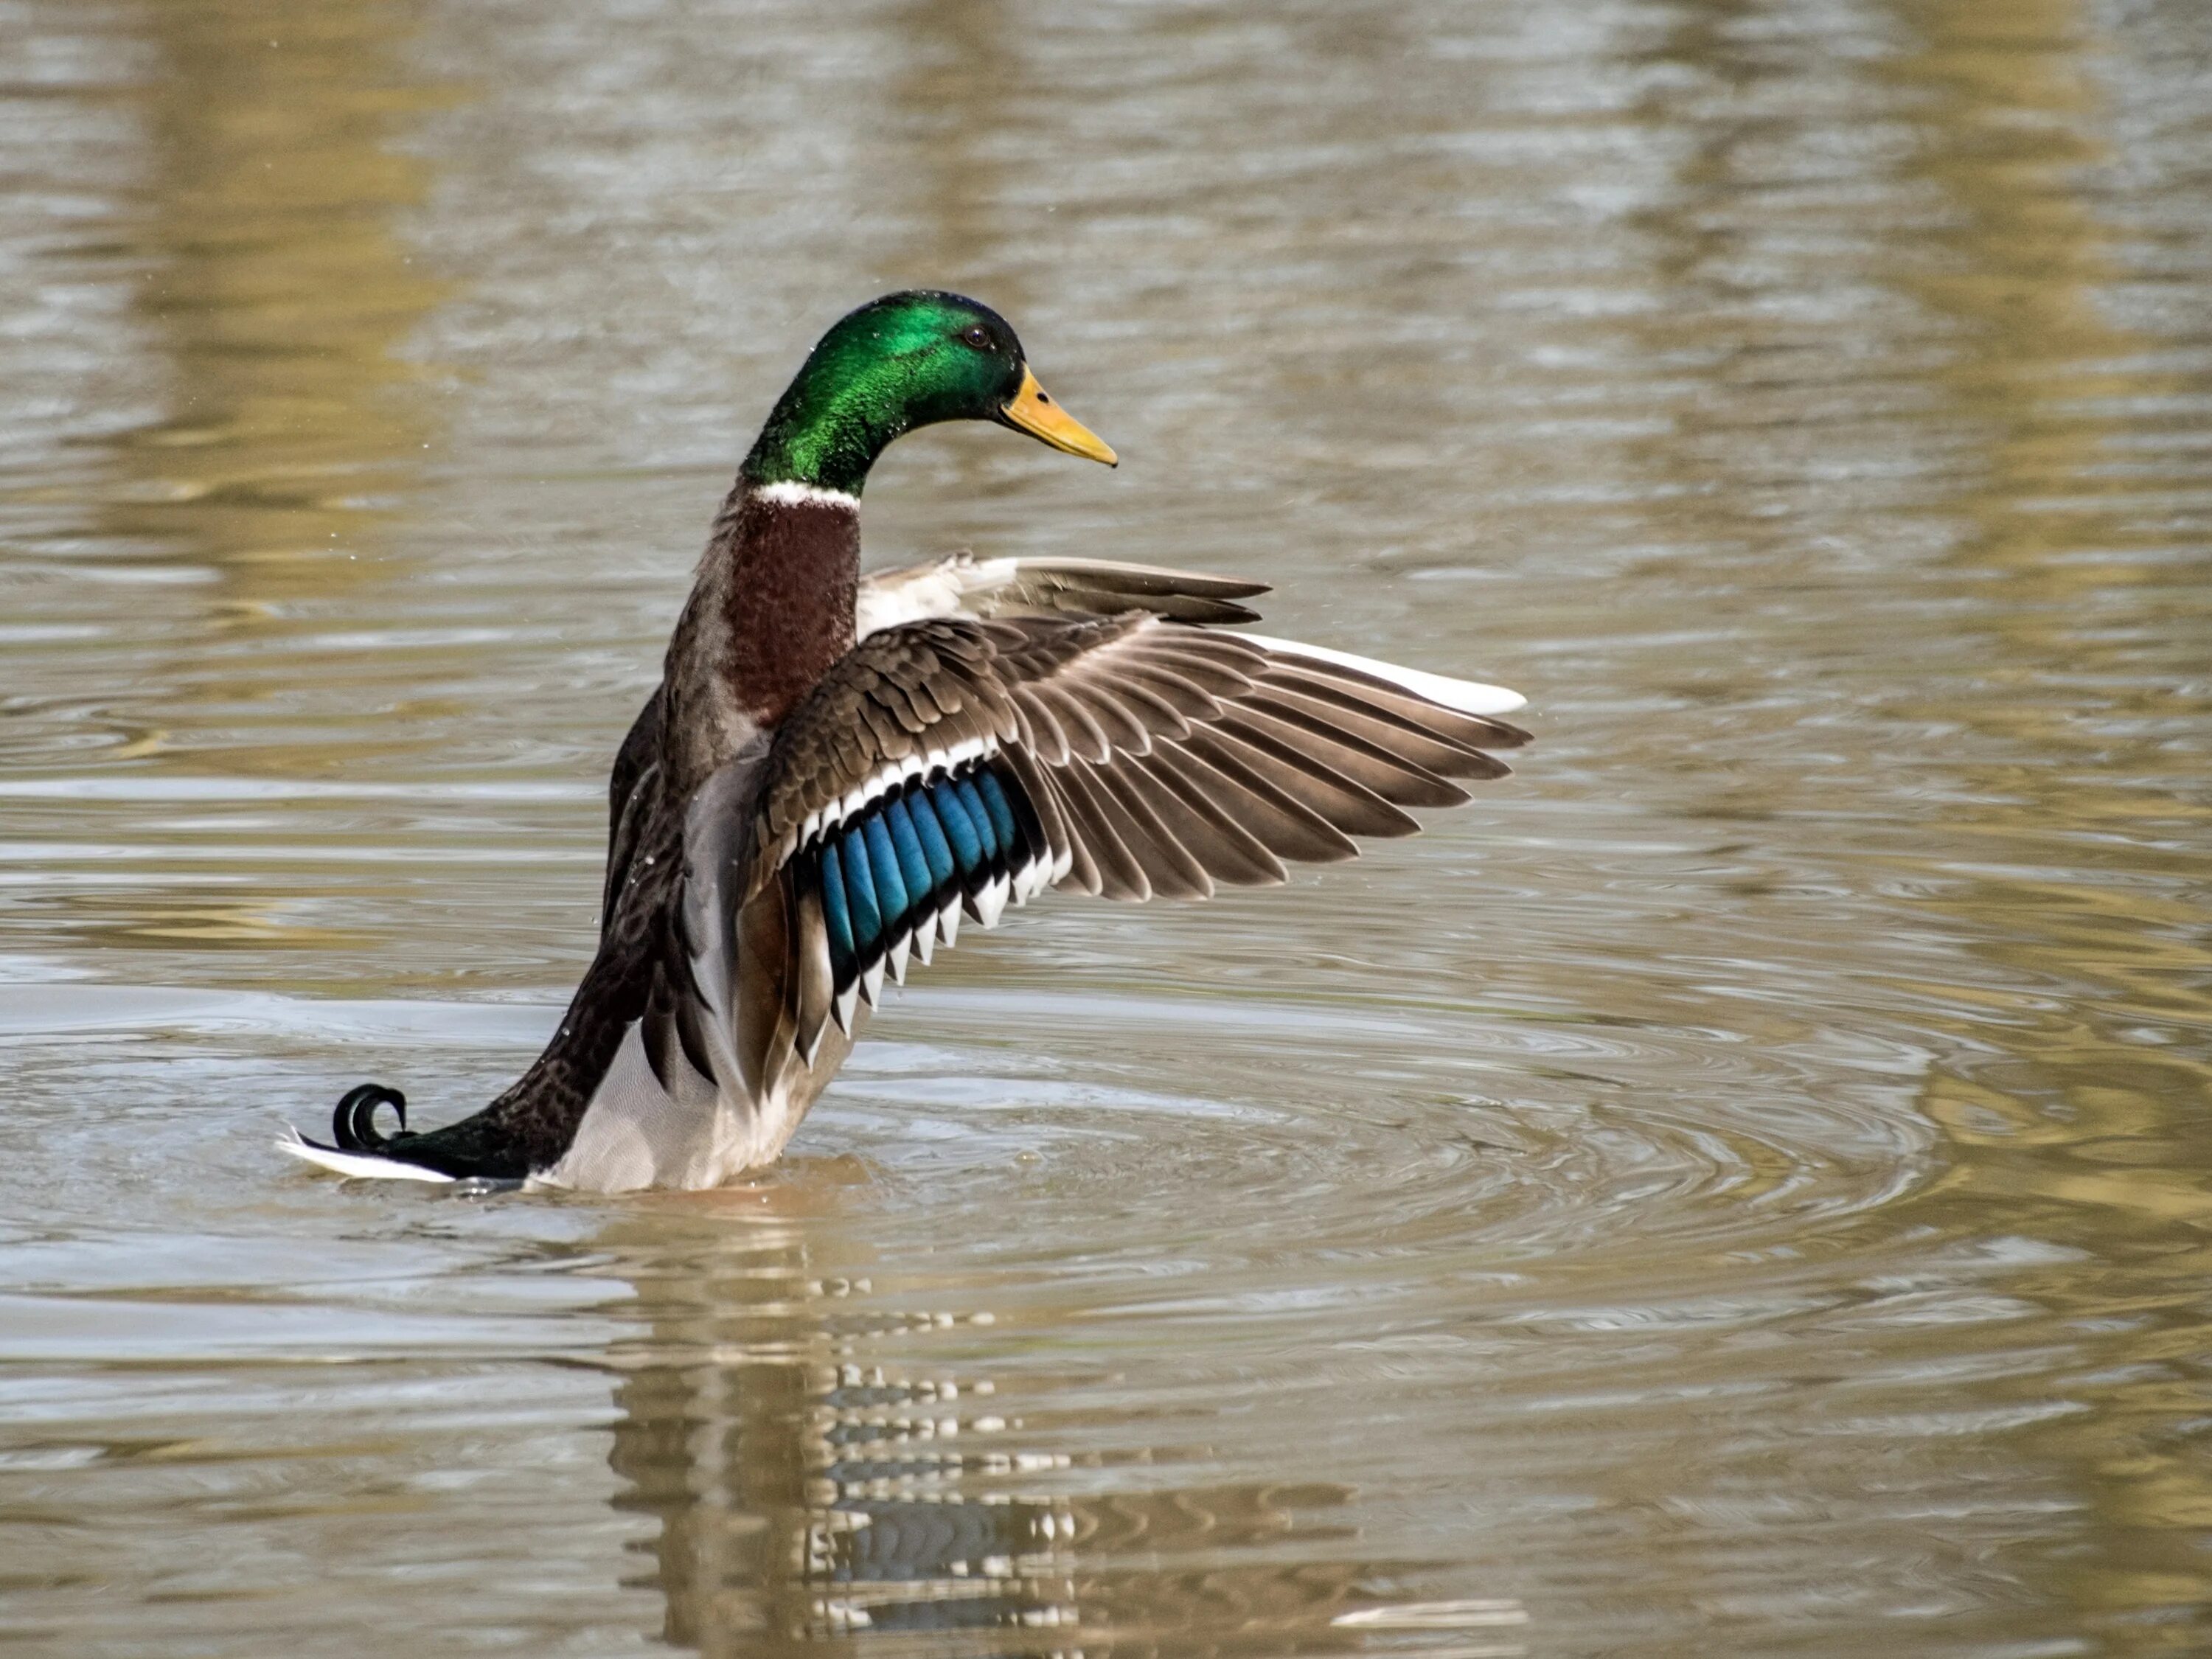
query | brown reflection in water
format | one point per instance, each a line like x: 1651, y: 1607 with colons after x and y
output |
x: 815, y: 1476
x: 279, y: 297
x: 957, y: 87
x: 278, y: 289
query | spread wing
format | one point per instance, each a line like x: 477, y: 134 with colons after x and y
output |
x: 964, y: 586
x: 952, y: 765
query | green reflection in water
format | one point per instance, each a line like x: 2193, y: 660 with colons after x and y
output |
x: 2065, y: 641
x: 2088, y: 625
x: 2083, y: 1126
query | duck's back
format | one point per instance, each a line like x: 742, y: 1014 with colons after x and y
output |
x: 644, y: 1050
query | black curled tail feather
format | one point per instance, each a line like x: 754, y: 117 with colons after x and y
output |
x: 475, y: 1148
x: 353, y: 1125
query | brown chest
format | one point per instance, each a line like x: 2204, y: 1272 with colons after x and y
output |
x: 770, y: 614
x: 792, y: 577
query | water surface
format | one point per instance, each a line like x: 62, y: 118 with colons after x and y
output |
x: 1740, y: 1187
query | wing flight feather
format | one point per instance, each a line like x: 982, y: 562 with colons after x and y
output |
x: 959, y: 764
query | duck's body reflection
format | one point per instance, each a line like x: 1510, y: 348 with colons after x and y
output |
x: 826, y: 1458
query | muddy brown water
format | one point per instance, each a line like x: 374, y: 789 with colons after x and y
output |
x: 1742, y: 1188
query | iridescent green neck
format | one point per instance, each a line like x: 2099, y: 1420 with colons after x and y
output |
x: 885, y: 369
x: 826, y: 431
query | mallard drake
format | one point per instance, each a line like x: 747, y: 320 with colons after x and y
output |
x: 835, y: 769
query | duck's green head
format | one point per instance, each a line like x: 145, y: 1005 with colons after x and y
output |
x: 905, y: 361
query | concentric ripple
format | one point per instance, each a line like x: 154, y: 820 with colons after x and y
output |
x: 1604, y: 1138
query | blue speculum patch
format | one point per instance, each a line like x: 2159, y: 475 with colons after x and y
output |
x: 886, y: 871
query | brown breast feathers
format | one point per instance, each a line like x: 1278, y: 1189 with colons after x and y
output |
x: 788, y: 609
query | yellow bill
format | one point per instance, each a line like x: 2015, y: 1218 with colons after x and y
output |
x: 1031, y: 409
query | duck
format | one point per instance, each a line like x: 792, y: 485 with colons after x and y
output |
x: 837, y: 770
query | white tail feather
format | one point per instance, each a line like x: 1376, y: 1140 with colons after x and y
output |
x: 366, y: 1165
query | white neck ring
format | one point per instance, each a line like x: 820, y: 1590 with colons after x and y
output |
x: 789, y: 492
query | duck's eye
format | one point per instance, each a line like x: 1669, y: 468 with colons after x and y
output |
x: 979, y: 337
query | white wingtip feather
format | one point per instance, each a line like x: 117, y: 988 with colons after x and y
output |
x: 991, y: 901
x: 1469, y: 696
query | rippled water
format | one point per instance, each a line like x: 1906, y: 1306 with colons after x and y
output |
x: 1742, y: 1188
